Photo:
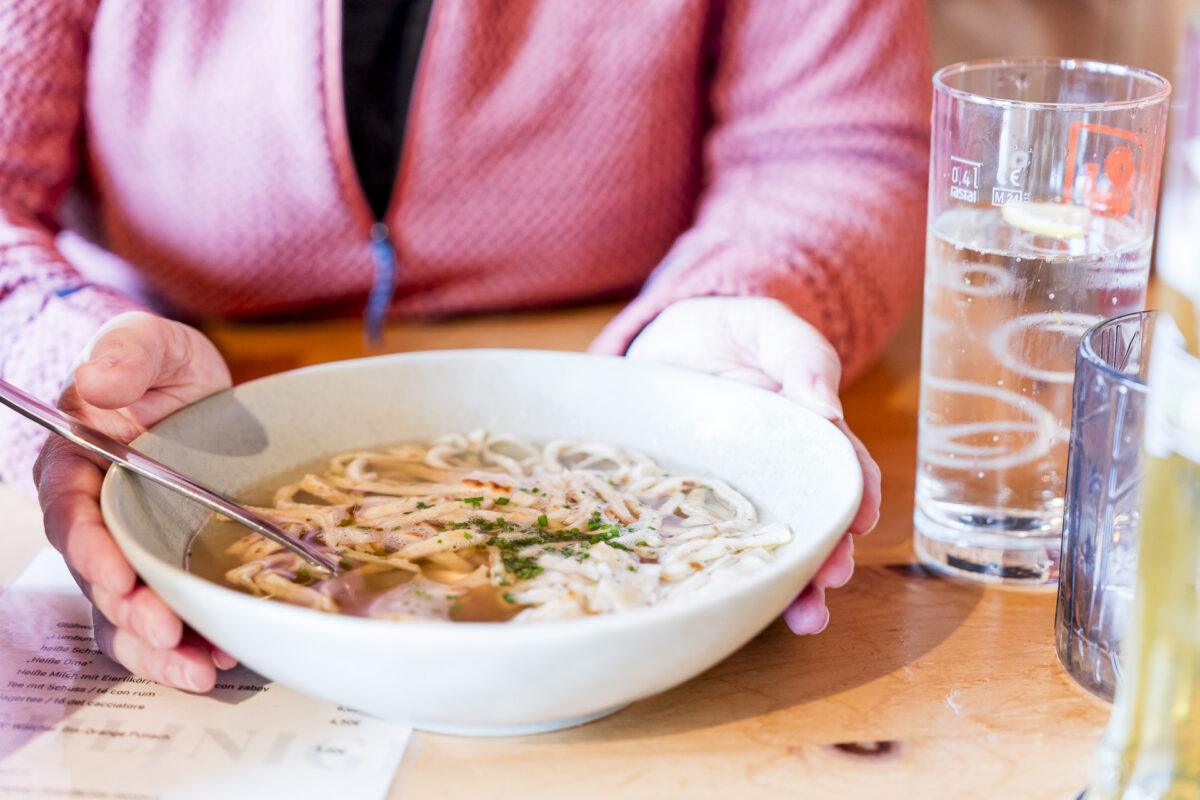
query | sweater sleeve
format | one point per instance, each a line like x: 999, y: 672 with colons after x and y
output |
x: 815, y: 170
x: 47, y: 310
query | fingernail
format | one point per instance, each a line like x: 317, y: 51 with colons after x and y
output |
x: 824, y: 625
x: 180, y: 677
x: 827, y: 397
x: 108, y: 361
x: 868, y: 528
x: 223, y: 660
x: 827, y: 411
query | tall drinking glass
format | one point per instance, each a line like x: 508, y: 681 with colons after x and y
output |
x: 1043, y: 183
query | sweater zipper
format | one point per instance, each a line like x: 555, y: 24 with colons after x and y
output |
x: 383, y: 285
x: 380, y: 244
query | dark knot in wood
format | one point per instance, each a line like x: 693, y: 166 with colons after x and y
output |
x: 880, y: 749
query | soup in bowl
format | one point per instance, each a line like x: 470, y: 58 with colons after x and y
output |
x: 494, y: 510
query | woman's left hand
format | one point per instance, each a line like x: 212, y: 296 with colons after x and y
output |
x: 761, y: 341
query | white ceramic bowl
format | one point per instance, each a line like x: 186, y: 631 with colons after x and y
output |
x: 479, y: 678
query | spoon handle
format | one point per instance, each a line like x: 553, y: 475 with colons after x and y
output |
x: 136, y: 461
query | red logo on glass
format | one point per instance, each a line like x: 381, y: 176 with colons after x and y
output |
x: 1102, y: 168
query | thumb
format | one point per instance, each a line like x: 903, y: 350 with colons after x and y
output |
x: 803, y: 362
x: 130, y: 355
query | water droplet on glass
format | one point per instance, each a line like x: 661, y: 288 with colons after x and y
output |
x: 1051, y: 295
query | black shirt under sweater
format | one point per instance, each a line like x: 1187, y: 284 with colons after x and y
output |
x: 381, y: 45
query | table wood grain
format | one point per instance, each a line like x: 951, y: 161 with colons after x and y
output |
x: 921, y: 687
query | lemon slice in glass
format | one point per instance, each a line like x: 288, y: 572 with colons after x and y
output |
x: 1060, y: 220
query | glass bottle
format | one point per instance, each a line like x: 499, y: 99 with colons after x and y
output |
x: 1151, y: 748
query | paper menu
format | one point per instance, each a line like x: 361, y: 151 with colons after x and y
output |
x: 73, y: 724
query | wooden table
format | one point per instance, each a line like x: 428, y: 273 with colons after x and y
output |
x: 920, y: 687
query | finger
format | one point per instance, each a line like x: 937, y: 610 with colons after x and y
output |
x: 184, y: 667
x: 807, y: 613
x: 757, y: 340
x: 810, y: 379
x: 68, y: 485
x: 220, y: 658
x: 795, y: 353
x: 142, y: 613
x: 223, y: 660
x: 838, y: 567
x: 867, y: 516
x: 146, y: 352
x: 124, y: 362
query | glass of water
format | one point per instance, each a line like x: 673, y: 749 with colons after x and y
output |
x: 1043, y: 184
x: 1102, y: 521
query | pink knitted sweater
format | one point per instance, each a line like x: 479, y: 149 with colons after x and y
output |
x: 557, y: 152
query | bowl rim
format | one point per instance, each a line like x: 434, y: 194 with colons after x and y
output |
x: 661, y: 613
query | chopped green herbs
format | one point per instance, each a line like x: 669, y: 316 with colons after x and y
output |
x: 508, y: 598
x: 520, y: 545
x: 524, y: 567
x: 345, y: 522
x: 303, y: 574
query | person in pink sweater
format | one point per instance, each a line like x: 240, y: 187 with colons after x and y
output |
x: 754, y: 172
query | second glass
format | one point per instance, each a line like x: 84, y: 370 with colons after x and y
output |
x: 1043, y: 183
x: 1101, y: 519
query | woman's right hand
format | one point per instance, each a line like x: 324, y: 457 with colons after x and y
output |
x: 140, y: 369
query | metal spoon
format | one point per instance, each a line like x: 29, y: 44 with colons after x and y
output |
x: 137, y: 461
